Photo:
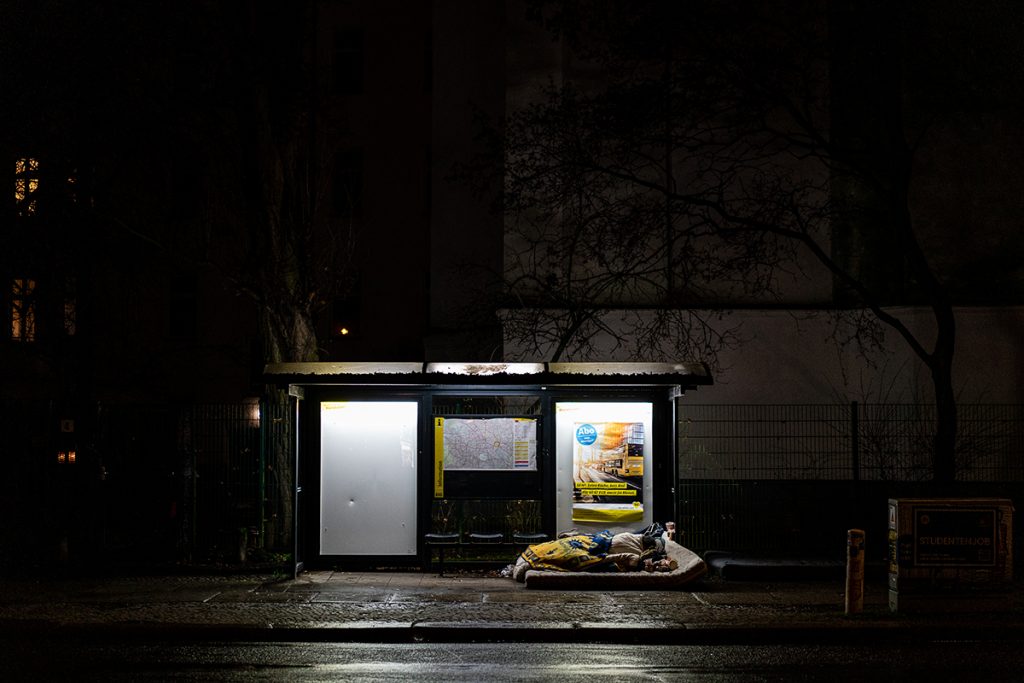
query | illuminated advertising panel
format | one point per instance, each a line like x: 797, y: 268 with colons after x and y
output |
x: 603, y: 456
x: 608, y: 471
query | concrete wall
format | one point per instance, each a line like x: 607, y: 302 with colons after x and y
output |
x: 792, y: 357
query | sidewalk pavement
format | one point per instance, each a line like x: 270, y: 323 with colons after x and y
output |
x: 415, y: 606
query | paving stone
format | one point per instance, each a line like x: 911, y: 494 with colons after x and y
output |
x: 365, y: 601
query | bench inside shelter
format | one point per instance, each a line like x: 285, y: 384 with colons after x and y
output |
x: 474, y: 531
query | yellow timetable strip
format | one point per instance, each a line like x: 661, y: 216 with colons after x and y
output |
x: 439, y: 457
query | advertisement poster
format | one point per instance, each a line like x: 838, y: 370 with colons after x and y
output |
x: 608, y: 472
x: 957, y: 537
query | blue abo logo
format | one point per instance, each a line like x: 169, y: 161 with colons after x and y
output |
x: 586, y: 435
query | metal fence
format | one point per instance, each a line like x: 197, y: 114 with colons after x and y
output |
x: 147, y: 483
x: 884, y: 442
x: 793, y: 478
x: 234, y: 488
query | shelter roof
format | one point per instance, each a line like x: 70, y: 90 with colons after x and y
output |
x: 686, y: 375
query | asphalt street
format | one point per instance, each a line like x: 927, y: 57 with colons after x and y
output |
x: 89, y: 660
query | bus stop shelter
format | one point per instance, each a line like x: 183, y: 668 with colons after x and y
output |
x: 390, y: 457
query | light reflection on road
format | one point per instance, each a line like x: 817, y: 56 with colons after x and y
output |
x: 35, y: 659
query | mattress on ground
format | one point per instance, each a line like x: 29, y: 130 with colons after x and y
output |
x: 691, y: 567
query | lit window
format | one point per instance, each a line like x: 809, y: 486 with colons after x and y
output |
x: 26, y: 182
x: 23, y: 310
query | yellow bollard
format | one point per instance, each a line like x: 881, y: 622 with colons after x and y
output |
x: 854, y: 571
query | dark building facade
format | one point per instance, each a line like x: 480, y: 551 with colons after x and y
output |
x: 147, y: 160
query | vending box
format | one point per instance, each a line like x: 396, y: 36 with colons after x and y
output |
x: 947, y: 547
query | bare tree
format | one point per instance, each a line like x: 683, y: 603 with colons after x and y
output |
x: 628, y: 182
x: 261, y: 202
x: 277, y: 222
x: 273, y: 219
x: 192, y: 138
x: 691, y: 155
x: 267, y: 209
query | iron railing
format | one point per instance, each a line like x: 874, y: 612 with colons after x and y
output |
x: 147, y: 483
x: 237, y: 483
x: 883, y: 442
x: 794, y: 478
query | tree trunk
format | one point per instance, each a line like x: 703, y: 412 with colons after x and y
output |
x: 290, y: 336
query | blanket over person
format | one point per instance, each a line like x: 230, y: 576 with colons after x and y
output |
x: 645, y: 559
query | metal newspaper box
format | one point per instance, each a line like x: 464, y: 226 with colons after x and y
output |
x: 944, y: 547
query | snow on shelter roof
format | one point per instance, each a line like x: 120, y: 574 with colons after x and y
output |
x: 685, y: 375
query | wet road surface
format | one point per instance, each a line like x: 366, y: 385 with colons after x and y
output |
x: 138, y: 660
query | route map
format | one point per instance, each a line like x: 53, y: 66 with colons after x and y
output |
x: 499, y: 443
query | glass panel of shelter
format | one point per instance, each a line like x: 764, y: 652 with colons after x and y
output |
x: 489, y: 467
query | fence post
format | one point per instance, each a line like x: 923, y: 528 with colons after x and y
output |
x: 855, y: 439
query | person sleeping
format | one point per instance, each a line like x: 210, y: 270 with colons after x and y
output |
x: 602, y: 551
